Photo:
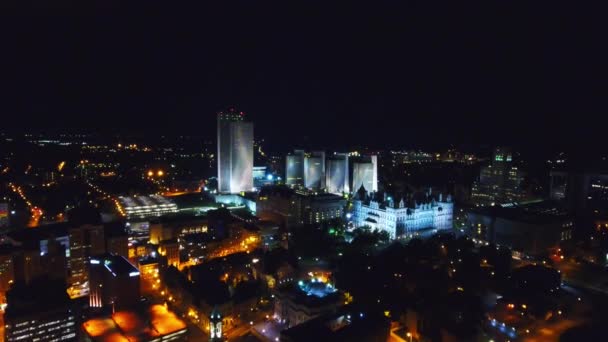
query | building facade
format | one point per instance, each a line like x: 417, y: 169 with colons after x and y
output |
x: 500, y: 182
x: 337, y: 180
x: 533, y: 228
x: 365, y: 173
x: 294, y: 168
x: 39, y: 311
x: 234, y: 152
x: 289, y: 207
x: 114, y: 281
x: 314, y: 170
x: 401, y: 220
x: 85, y: 241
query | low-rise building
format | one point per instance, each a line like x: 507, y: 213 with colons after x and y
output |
x: 296, y: 303
x: 531, y: 228
x: 156, y: 323
x: 289, y: 207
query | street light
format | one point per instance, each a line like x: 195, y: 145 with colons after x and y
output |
x: 409, y: 334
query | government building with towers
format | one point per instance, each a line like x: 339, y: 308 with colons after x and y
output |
x: 410, y: 216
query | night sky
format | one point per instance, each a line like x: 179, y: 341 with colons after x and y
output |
x: 383, y: 74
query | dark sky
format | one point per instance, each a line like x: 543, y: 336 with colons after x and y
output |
x: 386, y: 73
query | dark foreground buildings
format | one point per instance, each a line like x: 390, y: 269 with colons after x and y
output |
x: 39, y: 311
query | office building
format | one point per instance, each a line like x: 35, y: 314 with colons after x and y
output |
x: 531, y: 228
x: 113, y: 282
x: 305, y: 169
x: 289, y: 207
x: 294, y: 168
x: 314, y: 170
x: 234, y: 152
x: 365, y: 173
x: 500, y: 182
x: 41, y: 248
x: 583, y: 191
x: 85, y: 241
x: 117, y: 239
x: 411, y: 216
x: 337, y: 180
x: 39, y: 311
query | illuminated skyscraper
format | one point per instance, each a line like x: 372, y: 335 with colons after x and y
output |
x: 234, y: 152
x: 294, y: 168
x: 499, y: 182
x: 314, y: 170
x: 365, y: 173
x: 337, y: 174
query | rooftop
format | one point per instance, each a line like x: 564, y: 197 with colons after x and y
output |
x: 155, y: 322
x: 118, y: 265
x: 311, y: 293
x: 540, y: 212
x: 345, y: 325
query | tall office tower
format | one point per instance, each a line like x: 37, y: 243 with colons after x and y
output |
x: 374, y: 159
x: 314, y: 170
x: 294, y: 168
x: 85, y: 240
x: 234, y: 152
x: 337, y: 174
x: 499, y: 182
x: 113, y: 281
x: 365, y: 173
x: 39, y: 311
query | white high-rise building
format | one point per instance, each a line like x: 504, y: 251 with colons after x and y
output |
x: 337, y: 174
x: 294, y: 168
x: 234, y: 152
x: 365, y: 173
x: 314, y: 170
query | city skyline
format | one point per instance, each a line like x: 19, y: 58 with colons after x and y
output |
x: 396, y: 171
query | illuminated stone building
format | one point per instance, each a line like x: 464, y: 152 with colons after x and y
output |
x: 234, y: 152
x: 420, y: 214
